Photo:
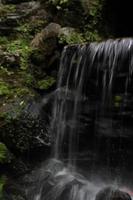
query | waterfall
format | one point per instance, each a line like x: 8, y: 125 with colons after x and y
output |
x: 91, y: 104
x: 98, y: 65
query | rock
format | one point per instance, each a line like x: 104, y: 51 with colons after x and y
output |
x: 24, y: 129
x: 46, y: 39
x: 9, y: 59
x: 45, y: 43
x: 111, y: 193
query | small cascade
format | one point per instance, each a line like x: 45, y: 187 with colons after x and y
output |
x: 90, y: 113
x: 99, y: 72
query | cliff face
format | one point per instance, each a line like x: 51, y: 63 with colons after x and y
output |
x: 32, y: 36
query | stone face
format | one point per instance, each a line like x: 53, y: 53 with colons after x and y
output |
x: 46, y: 39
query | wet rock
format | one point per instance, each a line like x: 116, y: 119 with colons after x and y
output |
x: 24, y: 129
x: 110, y: 193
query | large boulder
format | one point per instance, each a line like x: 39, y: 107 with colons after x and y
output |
x: 46, y: 39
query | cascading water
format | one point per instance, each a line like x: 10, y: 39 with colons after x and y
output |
x: 90, y: 113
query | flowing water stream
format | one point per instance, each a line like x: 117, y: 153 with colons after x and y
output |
x: 92, y: 123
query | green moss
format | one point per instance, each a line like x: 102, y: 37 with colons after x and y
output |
x: 118, y: 98
x: 4, y: 88
x: 5, y: 72
x: 19, y: 46
x: 117, y: 101
x: 3, y: 153
x: 22, y: 47
x: 30, y: 29
x: 91, y: 35
x: 21, y: 92
x: 71, y: 38
x: 6, y: 9
x: 28, y: 79
x: 94, y: 29
x: 46, y: 84
x: 3, y: 40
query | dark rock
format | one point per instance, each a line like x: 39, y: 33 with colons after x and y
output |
x: 46, y: 39
x: 9, y: 59
x: 110, y: 193
x: 25, y: 129
x: 14, y: 1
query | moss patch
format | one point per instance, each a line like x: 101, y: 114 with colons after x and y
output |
x: 46, y: 84
x: 72, y: 37
x: 6, y: 9
x: 4, y: 89
x: 3, y: 152
x: 22, y: 47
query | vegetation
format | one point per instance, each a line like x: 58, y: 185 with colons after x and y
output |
x: 5, y: 157
x: 20, y: 46
x: 6, y: 9
x: 60, y: 3
x: 71, y: 38
x: 4, y: 88
x: 46, y: 84
x: 25, y: 72
x: 3, y: 153
x: 2, y: 183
